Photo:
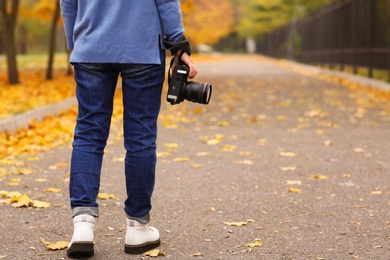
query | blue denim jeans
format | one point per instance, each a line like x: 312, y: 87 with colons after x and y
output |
x: 141, y: 86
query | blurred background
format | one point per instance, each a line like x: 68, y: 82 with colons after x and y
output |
x: 350, y: 35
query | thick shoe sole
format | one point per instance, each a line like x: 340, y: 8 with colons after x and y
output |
x: 80, y: 250
x: 140, y: 249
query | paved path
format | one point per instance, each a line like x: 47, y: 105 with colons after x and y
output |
x: 304, y: 162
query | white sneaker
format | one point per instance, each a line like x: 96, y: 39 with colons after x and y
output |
x: 140, y: 237
x: 81, y: 244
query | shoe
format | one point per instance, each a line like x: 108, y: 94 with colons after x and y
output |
x: 81, y: 244
x: 140, y: 237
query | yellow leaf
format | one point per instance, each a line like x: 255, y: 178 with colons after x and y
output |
x: 22, y: 201
x: 46, y: 243
x: 154, y: 253
x: 257, y: 243
x: 294, y: 190
x: 39, y: 204
x: 202, y: 154
x: 377, y: 192
x: 25, y: 171
x: 223, y: 123
x: 163, y: 154
x: 41, y: 180
x: 245, y: 162
x: 289, y: 182
x: 288, y: 154
x: 119, y: 159
x: 58, y: 245
x: 288, y: 168
x: 52, y: 190
x: 228, y: 148
x: 261, y: 142
x: 197, y: 166
x: 13, y: 194
x: 171, y: 145
x: 359, y: 150
x: 181, y: 159
x: 318, y: 177
x: 106, y: 196
x: 328, y: 143
x: 236, y: 224
x: 213, y: 141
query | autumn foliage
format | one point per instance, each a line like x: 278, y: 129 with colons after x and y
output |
x: 207, y: 21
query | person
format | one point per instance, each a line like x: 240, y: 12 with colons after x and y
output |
x: 108, y: 39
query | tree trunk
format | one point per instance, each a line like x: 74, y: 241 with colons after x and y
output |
x: 9, y: 24
x: 52, y: 41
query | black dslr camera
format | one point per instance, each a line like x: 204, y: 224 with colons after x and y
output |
x: 179, y: 88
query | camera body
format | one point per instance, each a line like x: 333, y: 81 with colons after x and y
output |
x: 180, y: 89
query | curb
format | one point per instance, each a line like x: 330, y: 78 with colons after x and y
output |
x: 11, y: 124
x: 372, y: 83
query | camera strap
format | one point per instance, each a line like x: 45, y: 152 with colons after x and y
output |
x: 183, y: 44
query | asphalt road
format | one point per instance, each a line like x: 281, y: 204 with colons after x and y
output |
x: 301, y: 163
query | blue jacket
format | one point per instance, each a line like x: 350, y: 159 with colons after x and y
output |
x: 120, y: 31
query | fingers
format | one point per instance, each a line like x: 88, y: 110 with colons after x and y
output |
x: 187, y: 60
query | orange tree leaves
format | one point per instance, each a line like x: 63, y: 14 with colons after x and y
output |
x: 207, y: 21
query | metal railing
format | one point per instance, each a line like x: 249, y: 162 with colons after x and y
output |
x: 352, y: 33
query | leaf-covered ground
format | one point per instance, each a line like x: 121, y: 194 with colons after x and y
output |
x: 281, y: 164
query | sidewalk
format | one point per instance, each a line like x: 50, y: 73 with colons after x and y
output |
x: 300, y: 163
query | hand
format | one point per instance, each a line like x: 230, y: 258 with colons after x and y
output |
x: 186, y: 60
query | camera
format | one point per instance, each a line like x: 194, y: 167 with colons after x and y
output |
x: 179, y: 89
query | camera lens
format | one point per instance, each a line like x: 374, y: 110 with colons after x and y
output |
x: 198, y: 92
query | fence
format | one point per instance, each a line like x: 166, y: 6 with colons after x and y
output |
x: 349, y: 33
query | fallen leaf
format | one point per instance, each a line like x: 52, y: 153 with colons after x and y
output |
x: 359, y: 150
x: 52, y: 190
x: 288, y: 154
x: 22, y: 201
x: 292, y: 182
x: 288, y: 168
x: 197, y: 254
x: 181, y: 159
x: 294, y: 190
x: 119, y: 159
x: 163, y: 154
x: 328, y: 143
x: 57, y: 245
x: 236, y: 224
x: 154, y: 253
x: 197, y: 166
x: 39, y: 204
x: 318, y: 177
x: 257, y: 243
x: 106, y: 196
x: 228, y: 148
x: 25, y: 171
x: 171, y: 145
x: 245, y: 162
x: 223, y: 123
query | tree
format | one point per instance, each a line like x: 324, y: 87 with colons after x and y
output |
x: 258, y: 17
x: 207, y: 21
x: 9, y: 13
x: 50, y: 10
